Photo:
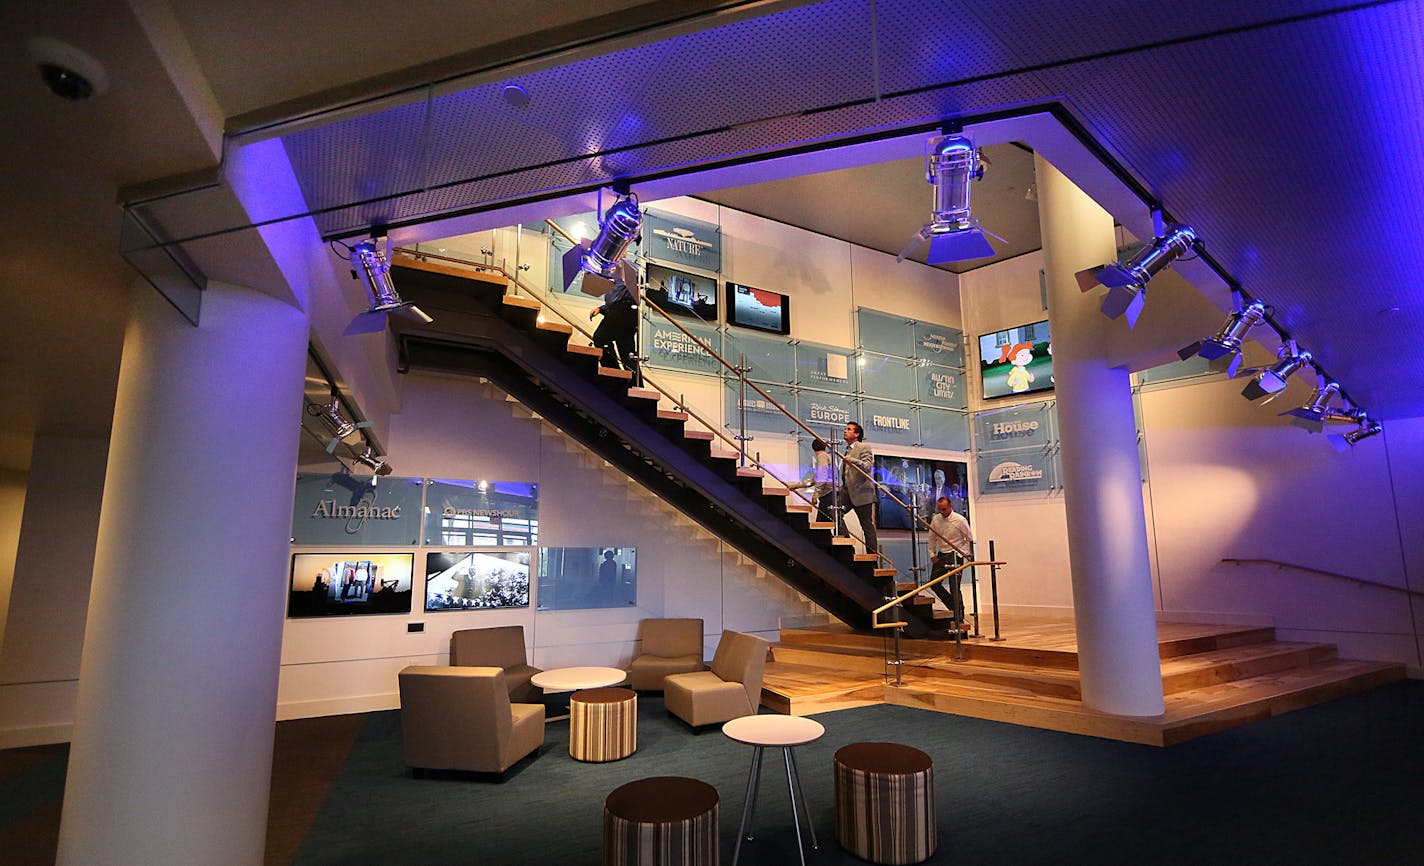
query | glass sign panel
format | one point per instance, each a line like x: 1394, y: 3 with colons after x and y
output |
x: 481, y: 513
x: 343, y: 509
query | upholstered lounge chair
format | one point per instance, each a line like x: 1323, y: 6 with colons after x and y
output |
x: 670, y: 646
x: 501, y: 647
x: 732, y: 688
x: 460, y: 718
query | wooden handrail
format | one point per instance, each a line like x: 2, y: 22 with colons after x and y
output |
x: 1345, y: 577
x: 875, y: 614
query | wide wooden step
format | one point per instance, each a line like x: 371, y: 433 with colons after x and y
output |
x: 800, y: 690
x: 1239, y: 674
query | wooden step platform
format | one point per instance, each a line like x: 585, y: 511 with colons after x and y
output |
x: 1214, y: 677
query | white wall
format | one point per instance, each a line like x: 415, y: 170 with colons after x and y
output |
x: 49, y: 598
x: 455, y: 427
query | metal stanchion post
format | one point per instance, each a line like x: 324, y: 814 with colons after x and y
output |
x: 974, y: 589
x: 742, y: 437
x: 994, y: 590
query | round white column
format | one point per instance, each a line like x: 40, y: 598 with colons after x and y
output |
x: 1102, y: 477
x: 172, y: 749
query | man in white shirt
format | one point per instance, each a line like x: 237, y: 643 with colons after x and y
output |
x: 951, y: 544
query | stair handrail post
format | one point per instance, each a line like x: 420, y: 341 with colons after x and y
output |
x: 974, y: 589
x: 994, y: 591
x: 742, y: 438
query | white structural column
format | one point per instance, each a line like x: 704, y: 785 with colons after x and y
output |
x: 1102, y: 477
x: 172, y: 749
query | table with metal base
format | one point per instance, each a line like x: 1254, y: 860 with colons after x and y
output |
x: 771, y: 731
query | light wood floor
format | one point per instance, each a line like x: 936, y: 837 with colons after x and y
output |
x: 1213, y: 676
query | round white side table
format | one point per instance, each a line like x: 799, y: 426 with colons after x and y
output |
x: 762, y: 732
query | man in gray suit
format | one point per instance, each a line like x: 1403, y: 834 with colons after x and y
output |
x: 856, y: 486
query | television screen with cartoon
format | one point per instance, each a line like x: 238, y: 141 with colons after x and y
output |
x: 1016, y: 361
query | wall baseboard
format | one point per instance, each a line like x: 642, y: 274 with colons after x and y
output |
x: 338, y: 706
x: 35, y: 735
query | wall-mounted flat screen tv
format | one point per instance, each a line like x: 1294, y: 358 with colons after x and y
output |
x: 577, y: 578
x: 476, y: 581
x: 345, y: 584
x: 919, y: 483
x: 681, y: 293
x: 1016, y: 361
x: 758, y: 308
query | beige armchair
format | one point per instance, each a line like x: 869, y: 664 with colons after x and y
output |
x: 731, y: 689
x: 501, y: 647
x: 670, y: 646
x: 460, y: 718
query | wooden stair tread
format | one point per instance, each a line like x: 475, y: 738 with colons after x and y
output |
x: 719, y: 454
x: 587, y: 351
x: 794, y: 679
x: 885, y: 572
x: 701, y: 435
x: 522, y: 303
x: 403, y: 260
x: 749, y: 472
x: 670, y: 415
x: 865, y: 557
x: 800, y: 508
x: 613, y: 373
x: 1197, y: 661
x: 1192, y: 704
x: 555, y: 327
x: 815, y: 524
x: 842, y: 541
x: 643, y: 394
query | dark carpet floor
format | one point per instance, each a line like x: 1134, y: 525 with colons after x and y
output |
x: 1338, y: 783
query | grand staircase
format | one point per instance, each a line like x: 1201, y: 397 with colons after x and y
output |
x: 482, y: 330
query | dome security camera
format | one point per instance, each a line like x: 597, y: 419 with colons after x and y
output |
x: 67, y: 71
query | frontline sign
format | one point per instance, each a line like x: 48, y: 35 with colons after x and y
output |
x: 889, y: 422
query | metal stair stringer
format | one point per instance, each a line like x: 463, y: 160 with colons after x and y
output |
x: 583, y: 411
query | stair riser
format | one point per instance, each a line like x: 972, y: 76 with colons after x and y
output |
x: 1230, y: 671
x: 1192, y: 646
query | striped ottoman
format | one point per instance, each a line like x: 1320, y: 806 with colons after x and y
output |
x: 662, y: 821
x: 603, y: 724
x: 885, y: 802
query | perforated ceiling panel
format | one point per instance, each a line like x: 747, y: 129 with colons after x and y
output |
x: 1295, y: 183
x: 723, y: 77
x: 1291, y: 137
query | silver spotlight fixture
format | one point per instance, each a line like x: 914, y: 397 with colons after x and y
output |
x: 601, y: 260
x: 1368, y: 427
x: 1227, y: 342
x: 1313, y: 415
x: 1126, y: 282
x: 378, y: 464
x: 954, y: 235
x: 341, y: 429
x: 371, y: 266
x: 1270, y: 382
